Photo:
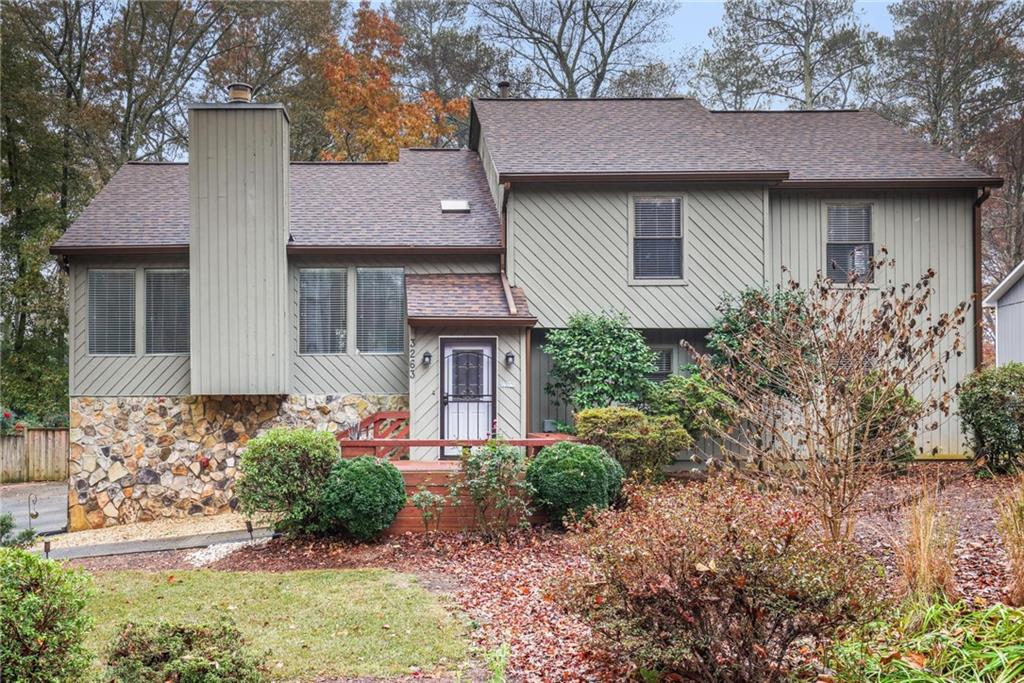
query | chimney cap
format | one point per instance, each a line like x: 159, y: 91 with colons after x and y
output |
x: 503, y: 89
x: 239, y: 92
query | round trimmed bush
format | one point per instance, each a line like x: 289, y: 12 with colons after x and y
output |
x: 283, y: 476
x: 992, y: 407
x: 42, y: 619
x: 363, y: 496
x: 569, y: 478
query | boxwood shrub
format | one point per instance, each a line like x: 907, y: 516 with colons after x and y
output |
x: 363, y: 496
x: 42, y: 619
x: 643, y: 445
x: 992, y: 408
x: 283, y: 476
x: 569, y: 478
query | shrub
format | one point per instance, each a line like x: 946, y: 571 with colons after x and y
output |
x: 570, y: 478
x: 945, y: 642
x: 1011, y: 527
x: 882, y: 412
x: 184, y: 653
x: 493, y: 477
x: 363, y: 496
x: 430, y: 505
x: 597, y: 360
x: 283, y: 475
x: 699, y: 406
x: 42, y: 619
x: 10, y: 539
x: 643, y: 445
x: 927, y: 558
x: 992, y: 407
x: 713, y: 582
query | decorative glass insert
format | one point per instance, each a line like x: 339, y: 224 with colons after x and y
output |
x: 112, y: 312
x: 380, y: 310
x: 323, y: 296
x: 657, y: 238
x: 167, y: 318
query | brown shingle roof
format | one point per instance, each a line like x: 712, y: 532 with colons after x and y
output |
x: 851, y: 147
x: 476, y: 297
x: 371, y: 206
x: 670, y: 137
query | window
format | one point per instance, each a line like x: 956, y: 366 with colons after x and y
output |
x: 112, y: 312
x: 849, y: 251
x: 657, y: 238
x: 662, y: 364
x: 322, y: 310
x: 380, y: 310
x: 167, y: 311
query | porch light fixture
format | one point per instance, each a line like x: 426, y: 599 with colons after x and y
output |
x: 427, y: 358
x: 510, y: 359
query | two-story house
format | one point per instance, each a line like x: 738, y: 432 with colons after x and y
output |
x: 215, y: 298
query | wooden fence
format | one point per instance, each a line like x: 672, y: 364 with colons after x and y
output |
x: 37, y: 455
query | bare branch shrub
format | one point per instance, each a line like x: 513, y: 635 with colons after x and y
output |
x: 819, y: 388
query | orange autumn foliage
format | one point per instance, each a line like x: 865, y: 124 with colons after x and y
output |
x: 369, y: 120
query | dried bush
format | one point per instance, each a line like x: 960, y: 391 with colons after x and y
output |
x: 494, y: 478
x: 992, y: 407
x: 362, y: 497
x: 570, y: 478
x: 643, y: 445
x: 714, y: 582
x: 818, y: 389
x: 1011, y: 527
x: 927, y: 556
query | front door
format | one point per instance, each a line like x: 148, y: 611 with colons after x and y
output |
x: 467, y: 391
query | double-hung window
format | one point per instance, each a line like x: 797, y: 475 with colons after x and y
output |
x: 380, y: 310
x: 112, y: 312
x: 662, y: 363
x: 850, y: 251
x: 323, y: 311
x: 657, y: 239
x: 167, y: 318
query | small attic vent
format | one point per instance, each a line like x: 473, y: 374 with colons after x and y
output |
x: 454, y: 206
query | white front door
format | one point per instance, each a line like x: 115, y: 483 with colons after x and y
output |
x: 467, y: 390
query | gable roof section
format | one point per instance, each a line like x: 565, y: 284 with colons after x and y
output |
x: 480, y: 298
x: 1005, y: 286
x: 667, y: 139
x: 371, y: 207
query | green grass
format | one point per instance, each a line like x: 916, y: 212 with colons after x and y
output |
x: 310, y: 623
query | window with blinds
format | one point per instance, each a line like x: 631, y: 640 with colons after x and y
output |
x: 380, y: 314
x: 112, y: 312
x: 849, y: 251
x: 167, y: 320
x: 657, y: 238
x: 662, y: 364
x: 322, y: 310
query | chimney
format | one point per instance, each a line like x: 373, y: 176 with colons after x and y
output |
x: 238, y: 265
x: 239, y: 92
x: 503, y: 88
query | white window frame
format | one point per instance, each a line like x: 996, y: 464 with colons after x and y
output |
x: 350, y: 304
x: 683, y: 233
x: 404, y: 350
x: 145, y: 312
x: 88, y: 312
x: 825, y: 204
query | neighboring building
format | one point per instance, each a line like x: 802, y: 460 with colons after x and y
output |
x: 1008, y: 300
x: 214, y: 299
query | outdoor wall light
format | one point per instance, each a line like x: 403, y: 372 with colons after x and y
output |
x: 510, y: 359
x: 427, y: 358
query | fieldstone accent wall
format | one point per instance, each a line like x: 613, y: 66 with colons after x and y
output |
x: 137, y: 459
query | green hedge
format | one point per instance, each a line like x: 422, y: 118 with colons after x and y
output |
x: 992, y: 407
x: 568, y: 478
x: 363, y: 496
x: 643, y: 445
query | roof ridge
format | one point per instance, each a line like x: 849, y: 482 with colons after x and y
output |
x: 667, y: 98
x: 150, y: 162
x: 787, y: 111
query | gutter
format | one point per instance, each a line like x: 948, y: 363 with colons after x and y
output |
x: 977, y: 297
x: 474, y: 321
x: 644, y: 176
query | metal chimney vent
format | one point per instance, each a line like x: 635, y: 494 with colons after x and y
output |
x: 239, y: 92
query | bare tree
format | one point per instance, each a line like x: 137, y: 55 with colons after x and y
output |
x: 821, y: 392
x: 575, y: 47
x: 729, y: 77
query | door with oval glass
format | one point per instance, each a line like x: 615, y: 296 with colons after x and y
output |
x: 467, y: 390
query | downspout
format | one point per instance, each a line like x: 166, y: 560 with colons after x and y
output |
x: 979, y: 337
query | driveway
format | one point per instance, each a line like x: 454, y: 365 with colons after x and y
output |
x: 51, y: 504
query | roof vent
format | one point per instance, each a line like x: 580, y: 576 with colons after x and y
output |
x: 454, y: 206
x: 239, y: 92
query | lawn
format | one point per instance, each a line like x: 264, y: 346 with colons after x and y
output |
x: 365, y: 622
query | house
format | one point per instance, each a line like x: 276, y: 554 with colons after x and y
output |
x: 239, y: 291
x: 1008, y: 301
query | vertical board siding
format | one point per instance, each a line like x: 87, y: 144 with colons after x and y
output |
x: 37, y: 455
x: 1010, y: 326
x: 352, y: 372
x: 920, y: 230
x: 137, y: 374
x: 238, y: 185
x: 569, y: 249
x: 491, y: 173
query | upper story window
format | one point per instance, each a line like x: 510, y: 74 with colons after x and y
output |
x: 380, y: 310
x: 112, y: 312
x: 657, y: 238
x: 662, y: 363
x: 323, y: 310
x: 167, y: 319
x: 850, y: 249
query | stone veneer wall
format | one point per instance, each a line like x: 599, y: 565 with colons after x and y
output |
x: 135, y: 459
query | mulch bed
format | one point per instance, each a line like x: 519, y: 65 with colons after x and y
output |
x: 505, y: 589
